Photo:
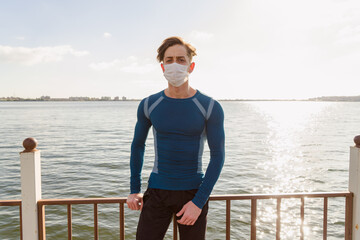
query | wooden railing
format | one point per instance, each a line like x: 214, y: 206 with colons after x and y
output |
x: 228, y: 198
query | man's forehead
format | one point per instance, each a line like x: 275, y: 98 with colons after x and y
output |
x: 181, y: 56
x: 175, y: 51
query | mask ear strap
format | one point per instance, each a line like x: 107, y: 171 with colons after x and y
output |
x: 162, y: 67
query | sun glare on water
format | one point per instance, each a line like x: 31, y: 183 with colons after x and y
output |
x: 284, y: 168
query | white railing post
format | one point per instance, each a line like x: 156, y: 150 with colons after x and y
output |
x: 30, y: 163
x: 354, y: 186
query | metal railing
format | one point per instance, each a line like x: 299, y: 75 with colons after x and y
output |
x: 32, y: 208
x: 255, y: 197
x: 69, y: 202
x: 8, y: 203
x: 228, y: 198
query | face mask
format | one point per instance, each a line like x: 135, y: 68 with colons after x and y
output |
x: 176, y: 74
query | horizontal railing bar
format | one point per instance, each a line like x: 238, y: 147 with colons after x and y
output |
x: 281, y: 195
x: 122, y: 200
x: 212, y: 198
x: 71, y: 201
x: 10, y: 202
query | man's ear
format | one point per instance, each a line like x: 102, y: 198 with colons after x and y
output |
x: 162, y: 66
x: 192, y: 66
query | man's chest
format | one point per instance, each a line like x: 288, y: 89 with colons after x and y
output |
x: 178, y: 119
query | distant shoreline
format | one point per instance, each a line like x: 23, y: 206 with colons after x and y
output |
x: 124, y: 99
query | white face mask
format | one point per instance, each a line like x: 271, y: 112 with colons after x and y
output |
x: 176, y: 74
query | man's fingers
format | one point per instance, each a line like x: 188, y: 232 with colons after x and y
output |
x: 186, y: 220
x: 135, y: 203
x: 131, y: 205
x: 182, y: 220
x: 128, y: 203
x: 181, y: 212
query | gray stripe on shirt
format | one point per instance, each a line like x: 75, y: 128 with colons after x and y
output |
x: 201, y: 108
x: 210, y: 108
x: 151, y: 108
x: 155, y: 168
x: 146, y: 108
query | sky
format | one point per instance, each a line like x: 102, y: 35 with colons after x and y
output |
x: 246, y: 49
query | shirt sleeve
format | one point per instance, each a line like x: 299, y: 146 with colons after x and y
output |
x: 142, y: 127
x: 216, y: 141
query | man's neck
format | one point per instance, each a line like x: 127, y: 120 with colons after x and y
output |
x: 184, y: 91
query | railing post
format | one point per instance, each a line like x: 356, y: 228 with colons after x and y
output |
x: 30, y: 188
x: 354, y: 186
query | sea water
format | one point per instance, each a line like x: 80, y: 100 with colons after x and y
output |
x: 271, y: 147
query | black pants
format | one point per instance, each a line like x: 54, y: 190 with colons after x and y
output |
x: 158, y: 210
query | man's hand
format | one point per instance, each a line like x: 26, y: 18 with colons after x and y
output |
x: 135, y: 201
x: 190, y: 213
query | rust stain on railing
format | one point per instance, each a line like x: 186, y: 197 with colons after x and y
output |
x: 228, y: 198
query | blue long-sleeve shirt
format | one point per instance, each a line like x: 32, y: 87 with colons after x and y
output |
x: 180, y: 128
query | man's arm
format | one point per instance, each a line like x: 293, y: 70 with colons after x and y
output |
x: 216, y: 140
x: 137, y: 157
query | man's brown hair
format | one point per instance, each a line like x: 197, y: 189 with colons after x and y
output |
x: 171, y: 41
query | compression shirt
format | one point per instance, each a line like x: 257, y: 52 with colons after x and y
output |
x: 180, y: 128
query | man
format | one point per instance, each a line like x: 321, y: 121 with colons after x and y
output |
x: 182, y: 118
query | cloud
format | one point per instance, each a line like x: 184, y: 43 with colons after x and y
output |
x: 201, y: 36
x: 107, y: 35
x: 31, y: 56
x: 128, y: 65
x: 105, y: 65
x: 349, y: 34
x: 20, y: 38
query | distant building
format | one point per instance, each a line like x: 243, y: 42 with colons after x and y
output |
x: 123, y: 98
x: 116, y: 98
x: 79, y: 98
x: 337, y: 98
x: 105, y: 98
x: 13, y: 99
x: 45, y: 98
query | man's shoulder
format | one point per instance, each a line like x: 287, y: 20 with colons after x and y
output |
x: 152, y: 98
x: 213, y: 106
x: 205, y: 99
